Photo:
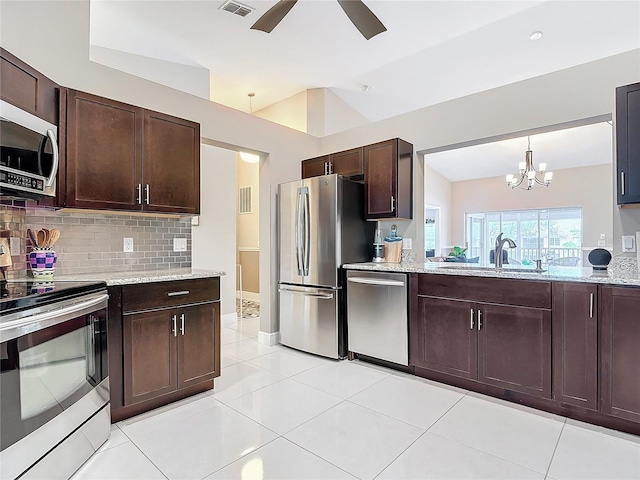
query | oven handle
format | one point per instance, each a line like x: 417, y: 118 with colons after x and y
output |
x: 65, y: 310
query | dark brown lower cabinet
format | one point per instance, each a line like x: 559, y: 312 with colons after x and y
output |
x: 575, y: 344
x: 198, y: 331
x: 443, y: 338
x: 169, y: 349
x: 149, y: 356
x: 620, y: 352
x: 164, y: 343
x: 514, y: 348
x: 500, y: 345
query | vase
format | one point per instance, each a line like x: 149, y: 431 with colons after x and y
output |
x: 43, y: 263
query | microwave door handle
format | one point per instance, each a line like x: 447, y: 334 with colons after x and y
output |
x: 56, y: 160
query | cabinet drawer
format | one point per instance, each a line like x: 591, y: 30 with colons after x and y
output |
x: 169, y: 294
x: 504, y: 291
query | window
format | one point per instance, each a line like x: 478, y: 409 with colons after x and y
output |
x: 552, y: 235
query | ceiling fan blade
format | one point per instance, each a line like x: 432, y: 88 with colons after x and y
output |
x: 273, y: 16
x: 363, y: 18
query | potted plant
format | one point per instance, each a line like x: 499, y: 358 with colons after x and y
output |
x: 458, y: 254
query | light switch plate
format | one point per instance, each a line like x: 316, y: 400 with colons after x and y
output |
x: 127, y: 244
x: 407, y: 244
x: 628, y: 243
x: 179, y: 244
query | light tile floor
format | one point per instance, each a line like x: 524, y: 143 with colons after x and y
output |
x: 276, y: 413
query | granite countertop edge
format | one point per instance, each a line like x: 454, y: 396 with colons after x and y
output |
x: 562, y: 274
x: 147, y: 276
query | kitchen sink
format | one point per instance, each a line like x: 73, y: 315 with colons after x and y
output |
x: 491, y: 269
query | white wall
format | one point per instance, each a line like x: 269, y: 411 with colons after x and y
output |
x: 214, y: 239
x: 437, y: 192
x: 291, y: 112
x: 586, y: 187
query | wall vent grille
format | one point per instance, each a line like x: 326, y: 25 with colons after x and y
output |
x: 244, y: 200
x: 236, y: 8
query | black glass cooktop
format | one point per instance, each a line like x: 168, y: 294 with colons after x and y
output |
x: 19, y: 294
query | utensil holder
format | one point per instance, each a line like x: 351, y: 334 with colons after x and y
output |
x: 43, y: 263
x: 392, y: 252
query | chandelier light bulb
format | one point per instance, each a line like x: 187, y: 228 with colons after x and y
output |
x: 543, y: 167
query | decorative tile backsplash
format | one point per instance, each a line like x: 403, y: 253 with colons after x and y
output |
x: 92, y: 241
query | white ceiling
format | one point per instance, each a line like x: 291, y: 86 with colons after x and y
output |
x: 568, y: 148
x: 433, y: 51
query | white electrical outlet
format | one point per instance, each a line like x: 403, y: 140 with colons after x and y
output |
x: 628, y: 243
x: 14, y: 246
x: 195, y: 221
x: 601, y: 243
x: 127, y: 244
x: 179, y: 244
x: 407, y: 244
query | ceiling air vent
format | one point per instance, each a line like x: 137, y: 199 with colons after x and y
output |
x: 236, y: 8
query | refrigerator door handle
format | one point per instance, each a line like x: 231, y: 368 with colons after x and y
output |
x: 297, y: 230
x: 322, y: 296
x: 307, y: 231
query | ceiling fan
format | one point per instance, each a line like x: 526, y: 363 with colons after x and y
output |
x: 359, y: 14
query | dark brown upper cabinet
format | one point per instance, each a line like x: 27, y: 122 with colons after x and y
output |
x: 27, y: 88
x: 575, y: 344
x: 123, y: 157
x: 620, y: 355
x: 628, y: 143
x: 315, y: 167
x: 348, y: 163
x: 388, y: 180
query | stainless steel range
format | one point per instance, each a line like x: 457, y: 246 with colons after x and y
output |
x: 54, y: 384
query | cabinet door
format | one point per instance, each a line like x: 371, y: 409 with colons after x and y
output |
x: 628, y: 143
x: 620, y: 357
x: 171, y: 164
x: 315, y: 167
x: 103, y: 153
x: 348, y: 163
x: 198, y: 344
x: 149, y: 351
x: 514, y: 348
x: 575, y: 344
x: 27, y: 88
x: 443, y: 337
x: 380, y: 179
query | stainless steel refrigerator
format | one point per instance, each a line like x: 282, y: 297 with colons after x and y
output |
x: 321, y: 227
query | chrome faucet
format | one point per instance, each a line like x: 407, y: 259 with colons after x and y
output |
x: 500, y: 246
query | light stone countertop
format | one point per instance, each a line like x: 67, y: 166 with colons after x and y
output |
x: 145, y: 276
x: 612, y: 276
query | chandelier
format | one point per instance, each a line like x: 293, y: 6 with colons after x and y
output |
x: 528, y: 176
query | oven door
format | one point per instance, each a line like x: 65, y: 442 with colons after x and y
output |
x: 53, y: 369
x: 28, y: 154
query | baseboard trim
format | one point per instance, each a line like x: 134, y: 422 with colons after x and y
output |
x: 270, y: 339
x: 229, y: 318
x: 252, y: 296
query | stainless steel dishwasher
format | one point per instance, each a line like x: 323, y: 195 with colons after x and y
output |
x: 377, y: 315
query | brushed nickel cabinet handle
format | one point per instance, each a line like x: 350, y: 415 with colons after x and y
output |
x: 591, y: 297
x: 472, y: 319
x: 479, y: 319
x: 182, y: 324
x: 175, y: 326
x: 175, y: 294
x: 139, y: 194
x: 622, y: 182
x: 146, y: 189
x: 393, y: 203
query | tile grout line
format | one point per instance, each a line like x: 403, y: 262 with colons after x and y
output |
x: 556, y: 448
x: 419, y: 436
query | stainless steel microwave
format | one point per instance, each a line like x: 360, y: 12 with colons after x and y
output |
x: 28, y: 154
